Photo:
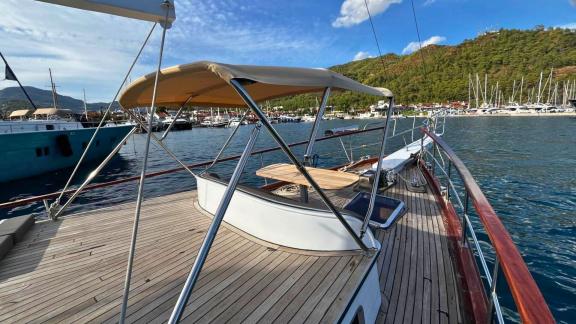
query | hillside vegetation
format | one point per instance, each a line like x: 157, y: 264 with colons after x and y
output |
x: 504, y: 55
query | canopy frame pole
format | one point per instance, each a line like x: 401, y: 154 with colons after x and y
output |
x: 315, y: 126
x: 312, y: 139
x: 57, y: 201
x: 175, y: 117
x: 160, y: 143
x: 228, y: 140
x: 166, y: 4
x: 186, y: 292
x: 91, y: 176
x: 264, y: 120
x: 376, y: 180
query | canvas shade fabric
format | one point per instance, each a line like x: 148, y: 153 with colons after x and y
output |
x: 208, y: 84
x: 19, y: 113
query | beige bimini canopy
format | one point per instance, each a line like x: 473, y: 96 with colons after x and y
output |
x: 45, y: 111
x: 208, y: 84
x: 19, y: 113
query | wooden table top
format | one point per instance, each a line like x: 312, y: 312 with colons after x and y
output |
x: 326, y: 179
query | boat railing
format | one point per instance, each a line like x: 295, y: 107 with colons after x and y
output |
x: 204, y: 164
x: 528, y: 299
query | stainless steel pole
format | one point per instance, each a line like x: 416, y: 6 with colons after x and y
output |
x: 175, y: 117
x: 57, y: 202
x: 92, y: 175
x: 160, y: 143
x: 212, y: 230
x: 228, y: 140
x: 315, y: 126
x: 313, y: 134
x: 250, y: 102
x: 140, y: 197
x: 376, y: 180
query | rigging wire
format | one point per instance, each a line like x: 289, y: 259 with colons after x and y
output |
x: 374, y: 33
x: 419, y: 39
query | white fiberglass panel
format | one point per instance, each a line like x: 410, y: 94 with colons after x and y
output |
x: 282, y: 224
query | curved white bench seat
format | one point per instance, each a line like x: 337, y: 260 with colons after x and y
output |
x: 282, y: 221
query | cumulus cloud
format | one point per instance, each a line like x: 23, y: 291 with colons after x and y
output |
x: 569, y: 26
x: 413, y: 46
x: 94, y: 50
x: 361, y: 56
x: 353, y: 12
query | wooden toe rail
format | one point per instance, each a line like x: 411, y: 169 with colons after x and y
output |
x: 529, y: 301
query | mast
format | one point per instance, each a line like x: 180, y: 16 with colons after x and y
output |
x: 521, y: 85
x: 539, y: 88
x: 478, y: 90
x: 85, y: 110
x: 12, y: 74
x: 485, y: 87
x: 513, y: 91
x: 549, y: 81
x: 469, y: 89
x: 54, y: 101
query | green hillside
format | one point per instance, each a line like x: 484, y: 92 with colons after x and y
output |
x: 504, y: 55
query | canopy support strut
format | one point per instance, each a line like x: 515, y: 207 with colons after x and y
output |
x: 139, y: 199
x: 212, y: 230
x: 57, y: 201
x: 175, y: 117
x: 376, y: 180
x: 264, y: 120
x: 229, y: 139
x: 158, y: 141
x: 313, y: 134
x: 90, y: 177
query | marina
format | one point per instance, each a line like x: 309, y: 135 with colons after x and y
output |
x: 211, y: 192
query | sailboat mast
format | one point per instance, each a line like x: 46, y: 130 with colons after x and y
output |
x: 53, y: 89
x: 85, y: 109
x: 521, y: 85
x: 485, y: 87
x: 539, y: 88
x: 469, y: 89
x: 549, y: 81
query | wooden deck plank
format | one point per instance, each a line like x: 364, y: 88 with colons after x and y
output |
x: 73, y: 270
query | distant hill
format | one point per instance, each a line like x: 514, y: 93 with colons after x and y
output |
x: 13, y: 98
x: 504, y: 55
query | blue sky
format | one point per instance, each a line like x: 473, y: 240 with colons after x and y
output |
x: 93, y: 50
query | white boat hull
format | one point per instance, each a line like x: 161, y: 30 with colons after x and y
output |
x: 284, y: 224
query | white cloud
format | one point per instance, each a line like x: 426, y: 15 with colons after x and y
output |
x: 413, y: 46
x: 361, y: 56
x: 429, y: 2
x: 569, y: 26
x: 94, y: 50
x: 353, y: 12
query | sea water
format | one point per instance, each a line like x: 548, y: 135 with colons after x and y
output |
x: 526, y: 167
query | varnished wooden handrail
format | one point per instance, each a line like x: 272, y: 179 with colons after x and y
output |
x: 529, y: 301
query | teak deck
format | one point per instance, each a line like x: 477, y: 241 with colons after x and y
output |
x: 73, y: 270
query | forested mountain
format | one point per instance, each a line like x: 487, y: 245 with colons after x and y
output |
x: 433, y: 74
x: 440, y: 73
x: 13, y: 98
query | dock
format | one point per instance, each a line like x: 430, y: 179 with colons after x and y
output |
x: 73, y: 269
